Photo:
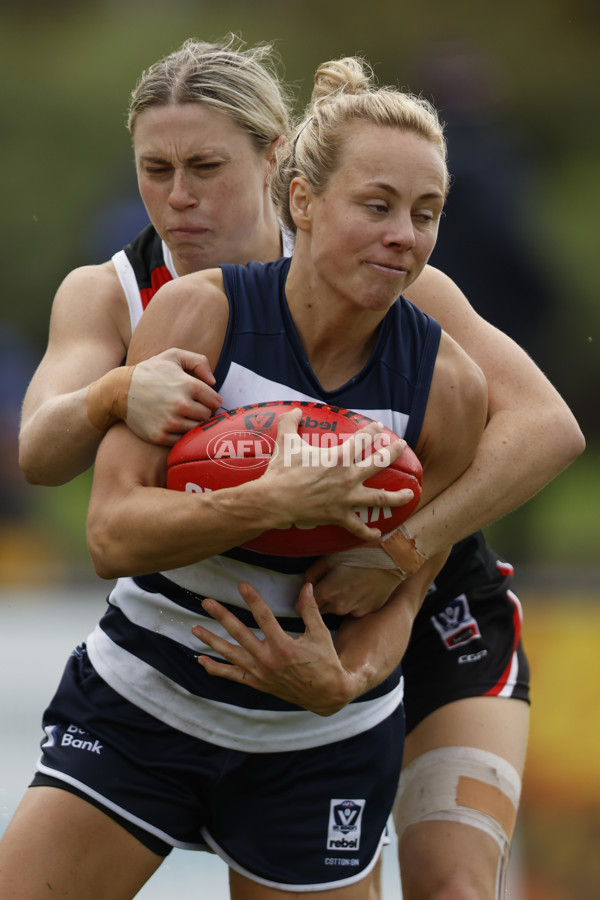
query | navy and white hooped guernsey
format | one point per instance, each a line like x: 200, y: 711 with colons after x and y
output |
x: 143, y: 646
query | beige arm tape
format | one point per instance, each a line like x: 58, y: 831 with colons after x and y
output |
x: 396, y: 552
x: 107, y: 398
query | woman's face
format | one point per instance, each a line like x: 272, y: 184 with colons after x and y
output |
x: 374, y: 226
x: 204, y: 186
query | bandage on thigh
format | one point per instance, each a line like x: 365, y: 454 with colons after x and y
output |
x: 465, y: 785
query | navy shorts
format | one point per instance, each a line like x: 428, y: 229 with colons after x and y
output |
x: 465, y: 644
x: 305, y: 820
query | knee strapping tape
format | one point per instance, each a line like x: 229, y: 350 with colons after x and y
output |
x: 460, y: 784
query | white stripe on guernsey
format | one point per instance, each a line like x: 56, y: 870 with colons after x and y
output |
x: 130, y: 286
x: 224, y: 724
x: 242, y: 386
x: 168, y: 258
x: 162, y: 616
x: 219, y: 577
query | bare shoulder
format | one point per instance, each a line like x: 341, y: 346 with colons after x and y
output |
x: 92, y: 296
x: 101, y: 280
x: 190, y: 313
x: 439, y: 296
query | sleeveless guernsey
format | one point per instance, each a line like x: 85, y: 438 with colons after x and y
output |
x: 143, y: 647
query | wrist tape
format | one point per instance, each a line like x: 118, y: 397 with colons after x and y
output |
x: 107, y: 398
x: 396, y: 552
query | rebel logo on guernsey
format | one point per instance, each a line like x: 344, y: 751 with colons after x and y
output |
x: 455, y: 624
x: 345, y: 823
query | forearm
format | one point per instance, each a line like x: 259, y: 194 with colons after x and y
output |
x: 60, y: 434
x: 154, y: 529
x: 517, y: 456
x: 58, y: 441
x: 136, y: 525
x: 370, y: 647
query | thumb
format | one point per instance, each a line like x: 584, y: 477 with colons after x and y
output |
x: 310, y: 613
x: 318, y: 570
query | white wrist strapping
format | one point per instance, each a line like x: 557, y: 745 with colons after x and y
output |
x: 395, y: 552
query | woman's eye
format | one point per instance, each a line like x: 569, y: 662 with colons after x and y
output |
x: 206, y: 168
x: 425, y: 217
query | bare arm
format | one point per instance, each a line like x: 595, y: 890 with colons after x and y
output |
x: 531, y: 434
x: 136, y: 525
x: 313, y: 670
x: 348, y: 582
x: 88, y: 338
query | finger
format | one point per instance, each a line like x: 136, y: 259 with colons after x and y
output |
x: 224, y: 670
x: 377, y: 451
x: 288, y: 422
x: 309, y: 610
x: 217, y: 643
x: 197, y: 364
x: 234, y: 627
x: 358, y: 528
x: 388, y: 450
x: 183, y: 425
x: 262, y: 614
x: 380, y: 497
x: 318, y: 570
x: 368, y: 440
x: 204, y: 395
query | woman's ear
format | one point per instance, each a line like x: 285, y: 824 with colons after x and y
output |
x: 301, y: 197
x: 279, y: 143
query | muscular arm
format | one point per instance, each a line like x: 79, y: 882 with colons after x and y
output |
x: 385, y: 632
x: 349, y: 582
x: 321, y: 675
x: 531, y: 434
x: 89, y: 335
x: 136, y: 525
x: 312, y: 670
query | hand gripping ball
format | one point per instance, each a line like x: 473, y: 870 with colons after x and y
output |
x: 235, y: 446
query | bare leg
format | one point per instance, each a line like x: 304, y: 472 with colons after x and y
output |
x: 376, y: 888
x: 445, y: 860
x: 245, y: 889
x: 57, y: 845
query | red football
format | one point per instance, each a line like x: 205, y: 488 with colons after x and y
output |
x: 235, y: 446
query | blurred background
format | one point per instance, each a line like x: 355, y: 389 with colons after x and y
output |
x: 517, y: 85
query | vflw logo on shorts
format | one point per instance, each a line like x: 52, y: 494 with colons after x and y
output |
x: 345, y: 822
x: 455, y: 624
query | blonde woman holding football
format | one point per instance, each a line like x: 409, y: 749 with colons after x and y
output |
x: 166, y: 396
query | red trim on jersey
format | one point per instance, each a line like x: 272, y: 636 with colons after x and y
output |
x: 159, y: 276
x: 501, y: 683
